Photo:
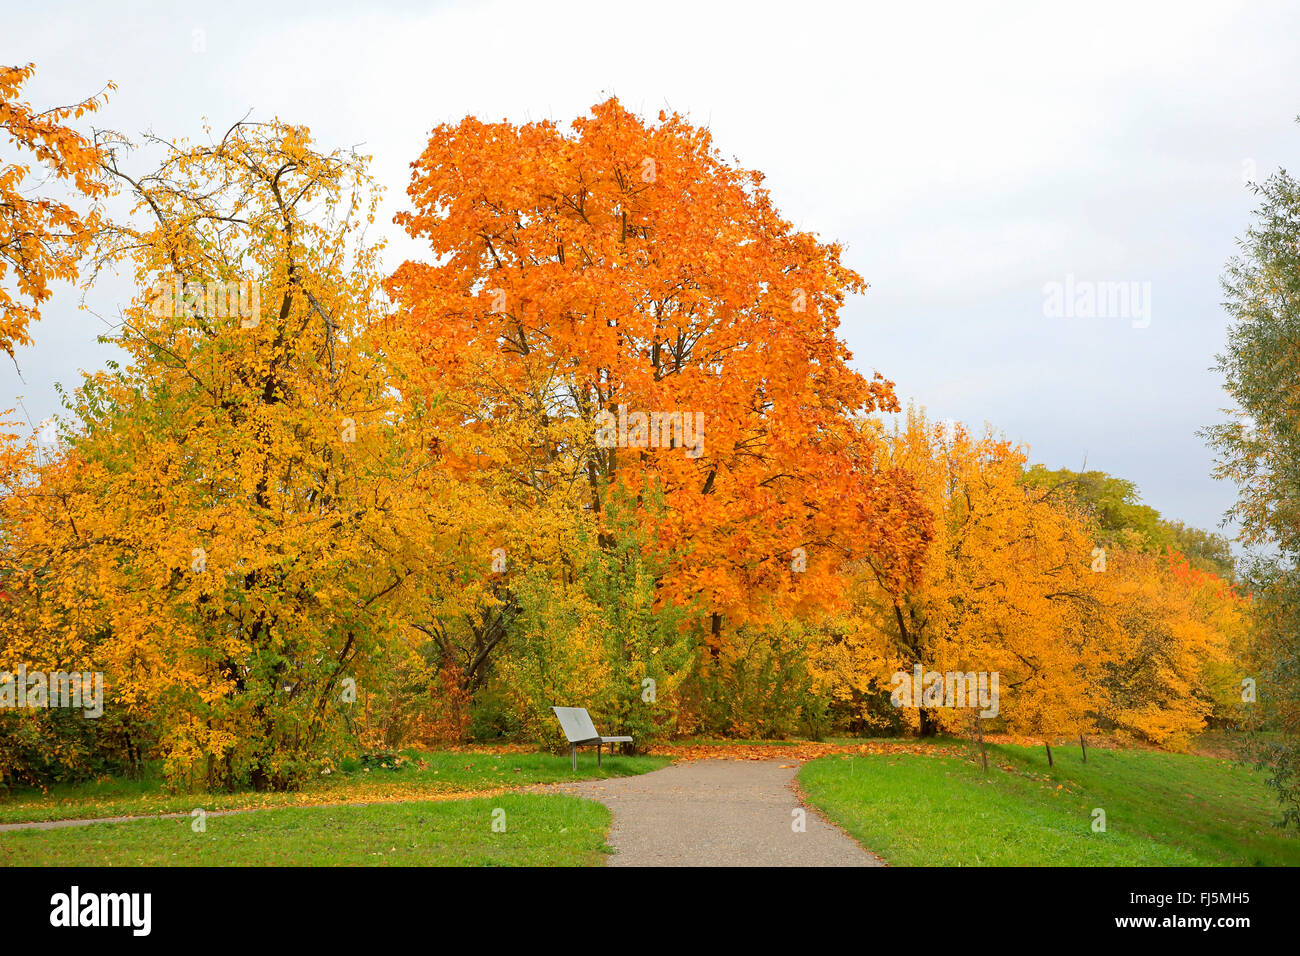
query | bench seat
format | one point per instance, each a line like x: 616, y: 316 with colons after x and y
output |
x: 581, y: 732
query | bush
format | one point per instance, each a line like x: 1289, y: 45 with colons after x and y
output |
x: 758, y: 685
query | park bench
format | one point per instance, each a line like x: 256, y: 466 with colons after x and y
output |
x: 580, y: 731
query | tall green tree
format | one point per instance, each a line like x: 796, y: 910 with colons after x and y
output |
x: 1259, y: 450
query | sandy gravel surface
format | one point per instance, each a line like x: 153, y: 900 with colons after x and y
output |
x: 716, y: 813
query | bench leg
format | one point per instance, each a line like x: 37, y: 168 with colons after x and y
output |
x: 597, y: 755
x: 574, y: 748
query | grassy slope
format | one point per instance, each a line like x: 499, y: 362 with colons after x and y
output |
x: 539, y: 830
x: 443, y: 773
x: 1161, y: 809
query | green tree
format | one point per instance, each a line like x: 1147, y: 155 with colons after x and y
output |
x: 1259, y: 450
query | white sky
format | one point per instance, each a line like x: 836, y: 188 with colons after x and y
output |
x: 965, y: 156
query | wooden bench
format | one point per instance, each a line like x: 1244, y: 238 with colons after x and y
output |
x: 580, y: 731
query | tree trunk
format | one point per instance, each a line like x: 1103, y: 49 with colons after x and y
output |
x: 977, y: 735
x: 1049, y: 753
x: 929, y: 722
x: 1084, y: 747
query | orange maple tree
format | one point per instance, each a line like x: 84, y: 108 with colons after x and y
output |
x: 625, y: 270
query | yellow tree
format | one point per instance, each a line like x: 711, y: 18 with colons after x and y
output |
x: 252, y: 492
x: 1180, y: 632
x: 1005, y: 589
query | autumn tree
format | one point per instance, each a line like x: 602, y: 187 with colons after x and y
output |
x: 1175, y: 626
x: 1173, y: 620
x: 250, y: 496
x: 42, y: 238
x: 1005, y: 585
x: 639, y: 316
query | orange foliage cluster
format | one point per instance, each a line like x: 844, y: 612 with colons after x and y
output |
x: 41, y: 239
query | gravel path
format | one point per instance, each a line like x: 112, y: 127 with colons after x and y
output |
x: 717, y: 813
x: 88, y: 821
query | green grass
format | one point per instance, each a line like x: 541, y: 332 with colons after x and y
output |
x: 1161, y: 809
x: 424, y: 775
x: 540, y: 830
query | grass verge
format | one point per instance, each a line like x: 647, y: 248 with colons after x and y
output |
x: 539, y: 830
x: 1161, y: 809
x: 422, y: 775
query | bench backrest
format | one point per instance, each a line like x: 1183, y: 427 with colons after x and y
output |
x: 576, y: 723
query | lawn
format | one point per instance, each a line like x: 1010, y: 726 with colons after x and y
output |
x: 421, y: 775
x: 539, y: 830
x: 1161, y: 809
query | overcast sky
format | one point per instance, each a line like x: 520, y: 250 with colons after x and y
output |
x: 968, y: 158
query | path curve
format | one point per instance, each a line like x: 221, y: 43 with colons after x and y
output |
x: 716, y: 813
